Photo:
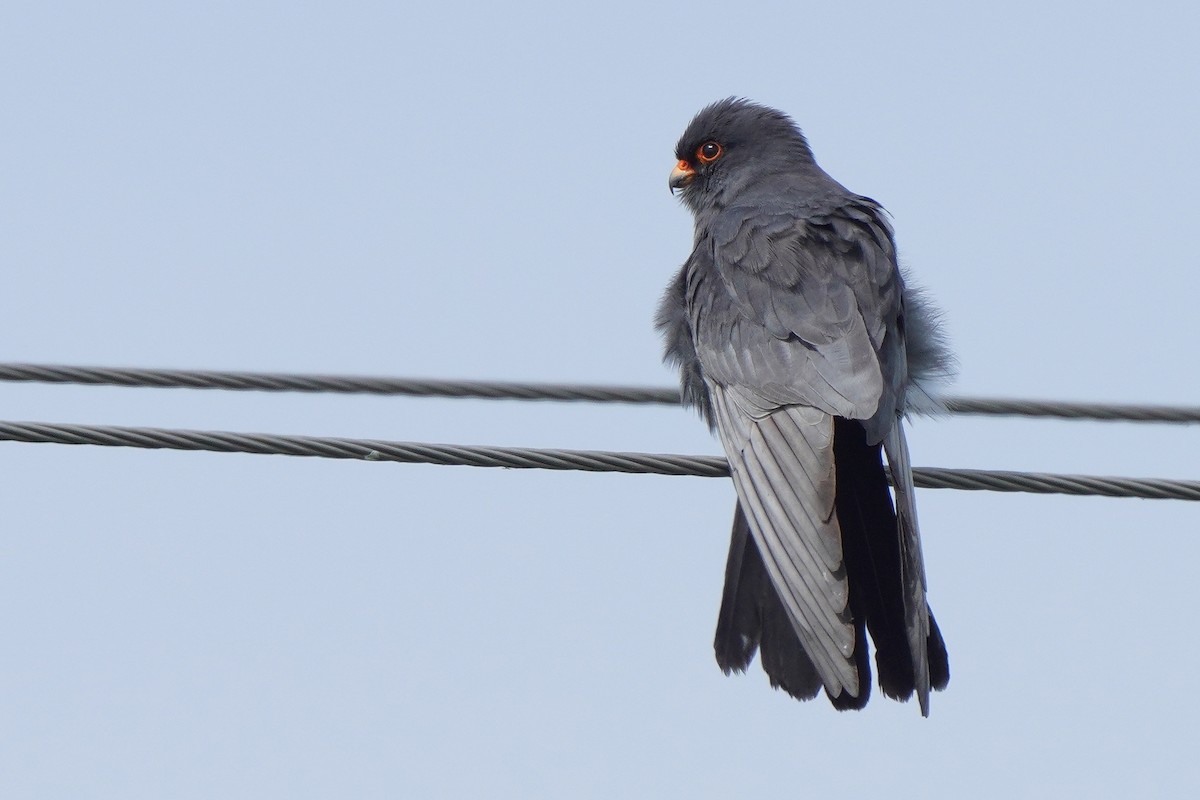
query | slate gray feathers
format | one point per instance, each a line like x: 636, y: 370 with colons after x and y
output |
x: 798, y: 341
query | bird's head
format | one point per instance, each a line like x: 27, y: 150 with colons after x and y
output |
x: 731, y: 145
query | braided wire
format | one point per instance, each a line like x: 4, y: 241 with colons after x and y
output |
x: 342, y: 384
x: 532, y: 458
x: 508, y: 390
x: 1101, y: 412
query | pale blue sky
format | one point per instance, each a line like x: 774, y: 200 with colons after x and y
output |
x: 480, y: 192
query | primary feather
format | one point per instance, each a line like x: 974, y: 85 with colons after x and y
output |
x: 798, y: 341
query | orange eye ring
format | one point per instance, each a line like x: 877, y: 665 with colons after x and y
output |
x: 709, y: 152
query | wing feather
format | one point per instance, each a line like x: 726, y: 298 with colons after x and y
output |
x: 912, y: 565
x: 783, y: 472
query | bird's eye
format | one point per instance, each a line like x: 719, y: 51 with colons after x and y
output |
x: 708, y: 152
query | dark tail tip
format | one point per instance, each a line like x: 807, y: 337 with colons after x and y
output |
x: 939, y: 659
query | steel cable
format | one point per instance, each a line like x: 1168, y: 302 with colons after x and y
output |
x: 510, y: 390
x: 535, y: 458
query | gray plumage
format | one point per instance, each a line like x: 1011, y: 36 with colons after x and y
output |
x: 799, y: 343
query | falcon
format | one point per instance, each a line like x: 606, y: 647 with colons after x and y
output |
x: 799, y: 343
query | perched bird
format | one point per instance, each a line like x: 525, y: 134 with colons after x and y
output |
x: 797, y: 340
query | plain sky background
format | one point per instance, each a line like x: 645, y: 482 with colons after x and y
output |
x: 473, y: 191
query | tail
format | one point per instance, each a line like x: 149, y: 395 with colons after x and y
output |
x: 883, y: 564
x: 753, y: 617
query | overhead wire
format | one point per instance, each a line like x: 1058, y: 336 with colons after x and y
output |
x: 511, y: 390
x: 556, y: 459
x: 535, y: 458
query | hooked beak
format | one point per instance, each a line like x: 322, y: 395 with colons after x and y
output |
x: 681, y: 176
